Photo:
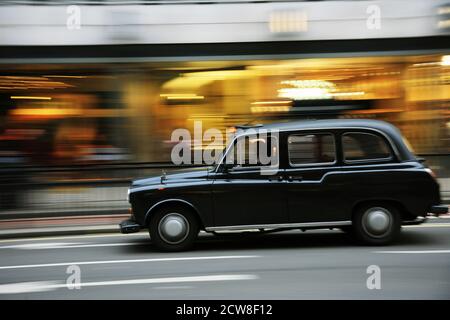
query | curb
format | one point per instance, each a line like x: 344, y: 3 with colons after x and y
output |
x: 67, y: 213
x: 57, y: 231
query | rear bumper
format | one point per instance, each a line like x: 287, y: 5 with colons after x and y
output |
x: 418, y: 220
x: 439, y: 209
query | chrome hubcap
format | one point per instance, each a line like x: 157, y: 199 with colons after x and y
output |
x: 377, y: 221
x: 173, y: 228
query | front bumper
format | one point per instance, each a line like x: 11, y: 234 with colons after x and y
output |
x: 439, y: 209
x: 129, y: 226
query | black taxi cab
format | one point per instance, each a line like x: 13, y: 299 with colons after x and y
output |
x: 353, y: 174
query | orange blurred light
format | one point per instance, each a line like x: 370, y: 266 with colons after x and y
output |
x: 45, y: 112
x: 30, y: 98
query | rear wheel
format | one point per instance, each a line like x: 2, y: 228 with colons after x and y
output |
x: 173, y: 228
x: 376, y: 224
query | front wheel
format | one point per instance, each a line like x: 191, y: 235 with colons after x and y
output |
x: 173, y: 229
x: 376, y: 224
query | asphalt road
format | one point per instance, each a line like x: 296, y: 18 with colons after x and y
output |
x: 288, y: 265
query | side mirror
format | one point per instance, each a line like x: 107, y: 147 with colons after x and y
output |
x: 226, y: 167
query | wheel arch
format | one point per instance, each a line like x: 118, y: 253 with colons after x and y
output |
x: 170, y: 202
x: 402, y: 210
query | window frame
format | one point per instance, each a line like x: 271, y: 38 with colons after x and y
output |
x: 313, y: 164
x: 373, y: 160
x: 236, y: 168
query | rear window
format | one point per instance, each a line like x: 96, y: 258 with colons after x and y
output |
x: 311, y: 149
x: 359, y: 146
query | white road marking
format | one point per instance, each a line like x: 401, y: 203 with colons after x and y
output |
x: 86, y: 236
x: 40, y: 245
x: 65, y: 245
x: 415, y: 251
x: 125, y: 261
x: 430, y: 225
x: 26, y: 287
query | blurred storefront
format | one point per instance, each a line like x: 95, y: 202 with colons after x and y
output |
x: 91, y: 93
x: 69, y: 114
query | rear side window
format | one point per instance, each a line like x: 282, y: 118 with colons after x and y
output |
x: 359, y: 146
x: 311, y: 149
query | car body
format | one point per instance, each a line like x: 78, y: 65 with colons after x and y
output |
x: 357, y: 175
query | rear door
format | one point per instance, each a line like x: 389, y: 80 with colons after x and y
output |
x: 312, y: 155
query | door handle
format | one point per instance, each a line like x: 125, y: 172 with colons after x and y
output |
x: 277, y: 178
x: 292, y: 178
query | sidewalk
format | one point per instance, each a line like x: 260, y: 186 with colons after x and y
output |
x: 63, y: 212
x: 68, y: 225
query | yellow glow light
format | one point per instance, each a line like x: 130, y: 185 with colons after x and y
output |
x: 165, y: 95
x: 181, y: 96
x: 185, y: 98
x: 271, y: 102
x: 304, y: 93
x: 356, y: 93
x: 30, y: 98
x: 63, y: 76
x: 270, y: 109
x: 309, y: 84
x: 445, y: 61
x: 45, y: 112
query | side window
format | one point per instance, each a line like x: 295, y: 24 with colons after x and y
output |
x: 364, y: 146
x: 306, y: 149
x: 251, y: 151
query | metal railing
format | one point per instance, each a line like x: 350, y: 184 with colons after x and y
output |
x: 103, y: 186
x: 7, y: 175
x: 137, y: 2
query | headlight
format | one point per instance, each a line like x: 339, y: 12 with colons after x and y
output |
x: 128, y: 195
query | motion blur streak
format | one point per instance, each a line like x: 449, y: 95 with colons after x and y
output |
x: 91, y: 93
x: 79, y: 149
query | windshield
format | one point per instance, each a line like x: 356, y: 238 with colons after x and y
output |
x: 222, y: 154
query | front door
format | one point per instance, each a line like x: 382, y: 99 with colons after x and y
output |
x: 244, y: 193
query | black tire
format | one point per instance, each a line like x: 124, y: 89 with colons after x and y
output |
x: 376, y: 224
x: 175, y: 215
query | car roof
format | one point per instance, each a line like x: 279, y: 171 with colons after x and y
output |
x: 331, y: 123
x: 389, y: 130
